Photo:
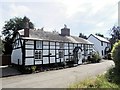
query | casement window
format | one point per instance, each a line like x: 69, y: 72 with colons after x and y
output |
x: 38, y: 44
x: 38, y: 54
x: 101, y: 43
x: 61, y: 54
x: 61, y: 45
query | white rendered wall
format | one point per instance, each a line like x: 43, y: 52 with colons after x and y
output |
x: 29, y: 61
x: 16, y: 54
x: 97, y: 45
x: 17, y: 51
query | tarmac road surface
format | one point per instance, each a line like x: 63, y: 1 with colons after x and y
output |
x: 58, y: 78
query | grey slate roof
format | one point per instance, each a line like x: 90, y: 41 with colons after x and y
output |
x: 52, y: 36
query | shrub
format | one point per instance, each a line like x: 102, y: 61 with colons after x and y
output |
x: 27, y: 69
x: 116, y: 55
x: 95, y: 57
x: 33, y: 68
x: 109, y: 56
x: 113, y: 75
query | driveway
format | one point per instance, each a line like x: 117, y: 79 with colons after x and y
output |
x: 57, y: 78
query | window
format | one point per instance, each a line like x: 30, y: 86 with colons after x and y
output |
x: 61, y: 45
x: 38, y: 44
x: 38, y: 55
x: 102, y: 52
x: 101, y: 43
x: 61, y: 55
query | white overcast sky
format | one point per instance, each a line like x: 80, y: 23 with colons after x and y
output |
x: 85, y: 16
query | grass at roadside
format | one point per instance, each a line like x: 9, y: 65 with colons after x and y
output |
x: 99, y: 82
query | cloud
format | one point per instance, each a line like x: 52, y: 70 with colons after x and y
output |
x: 18, y: 10
x: 80, y: 15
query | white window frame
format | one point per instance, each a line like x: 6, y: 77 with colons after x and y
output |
x: 38, y: 55
x: 38, y: 44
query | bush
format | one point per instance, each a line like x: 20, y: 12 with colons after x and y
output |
x: 27, y: 69
x: 94, y: 58
x: 33, y: 68
x: 116, y: 55
x: 109, y: 56
x: 113, y: 75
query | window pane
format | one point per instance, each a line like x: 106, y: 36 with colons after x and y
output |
x: 38, y: 54
x: 38, y: 44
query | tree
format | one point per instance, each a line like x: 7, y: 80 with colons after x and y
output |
x: 115, y: 33
x: 98, y: 34
x: 1, y: 45
x: 9, y: 30
x: 82, y: 36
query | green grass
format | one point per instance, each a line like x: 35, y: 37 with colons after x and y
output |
x: 99, y: 82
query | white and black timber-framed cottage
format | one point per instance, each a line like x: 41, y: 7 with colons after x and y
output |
x: 39, y: 47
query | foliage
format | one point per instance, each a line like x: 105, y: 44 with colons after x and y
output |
x: 99, y: 82
x: 82, y: 36
x: 113, y: 76
x: 95, y: 57
x: 116, y: 55
x: 9, y: 30
x: 33, y: 68
x: 1, y: 46
x: 115, y: 33
x: 16, y: 23
x: 7, y: 47
x: 98, y: 34
x: 27, y: 69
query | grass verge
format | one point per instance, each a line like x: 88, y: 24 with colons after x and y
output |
x: 99, y: 82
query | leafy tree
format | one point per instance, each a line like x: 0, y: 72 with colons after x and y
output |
x: 9, y: 30
x: 1, y: 45
x: 98, y: 34
x: 15, y: 24
x: 115, y: 33
x: 82, y: 36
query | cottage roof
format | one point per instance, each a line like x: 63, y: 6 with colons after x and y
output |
x: 52, y: 36
x: 100, y: 38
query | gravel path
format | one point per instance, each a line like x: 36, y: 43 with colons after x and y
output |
x: 57, y: 78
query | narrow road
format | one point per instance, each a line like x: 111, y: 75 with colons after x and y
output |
x: 57, y: 78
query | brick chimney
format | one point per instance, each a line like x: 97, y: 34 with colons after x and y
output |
x: 26, y: 26
x: 65, y: 31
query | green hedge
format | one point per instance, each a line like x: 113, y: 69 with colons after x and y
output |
x: 116, y: 55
